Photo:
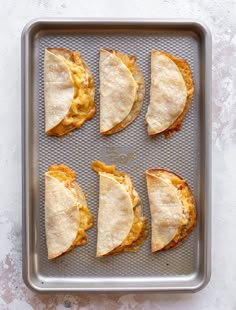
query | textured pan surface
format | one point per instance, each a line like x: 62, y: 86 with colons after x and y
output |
x: 131, y: 150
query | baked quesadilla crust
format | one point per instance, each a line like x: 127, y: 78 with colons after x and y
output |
x: 186, y: 73
x: 67, y: 216
x: 137, y: 231
x: 81, y: 105
x: 188, y: 205
x: 138, y: 80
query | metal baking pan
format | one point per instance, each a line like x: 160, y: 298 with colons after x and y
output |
x: 186, y: 268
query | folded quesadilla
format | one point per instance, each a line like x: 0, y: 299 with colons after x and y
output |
x: 171, y: 93
x: 68, y: 91
x: 122, y: 90
x: 67, y: 216
x: 172, y: 208
x: 121, y: 225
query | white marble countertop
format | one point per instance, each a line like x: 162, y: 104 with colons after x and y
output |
x: 220, y: 16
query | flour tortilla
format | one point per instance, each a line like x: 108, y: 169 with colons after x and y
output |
x: 58, y: 90
x: 168, y: 93
x: 166, y: 210
x: 115, y: 215
x: 118, y: 90
x: 61, y: 216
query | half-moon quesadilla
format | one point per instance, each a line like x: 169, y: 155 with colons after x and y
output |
x: 67, y: 216
x: 121, y: 224
x: 172, y: 208
x: 171, y: 93
x: 68, y: 91
x: 122, y: 90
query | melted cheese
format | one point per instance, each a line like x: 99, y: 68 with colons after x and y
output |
x: 85, y: 219
x: 138, y: 232
x: 129, y: 61
x: 82, y: 107
x: 63, y: 174
x: 85, y: 222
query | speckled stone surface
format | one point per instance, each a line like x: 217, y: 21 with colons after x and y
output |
x: 220, y: 16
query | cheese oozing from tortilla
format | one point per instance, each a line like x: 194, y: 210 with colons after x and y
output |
x: 82, y: 105
x: 129, y: 61
x: 137, y: 233
x: 168, y: 93
x: 78, y: 213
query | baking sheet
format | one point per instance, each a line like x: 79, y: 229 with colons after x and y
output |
x: 185, y: 268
